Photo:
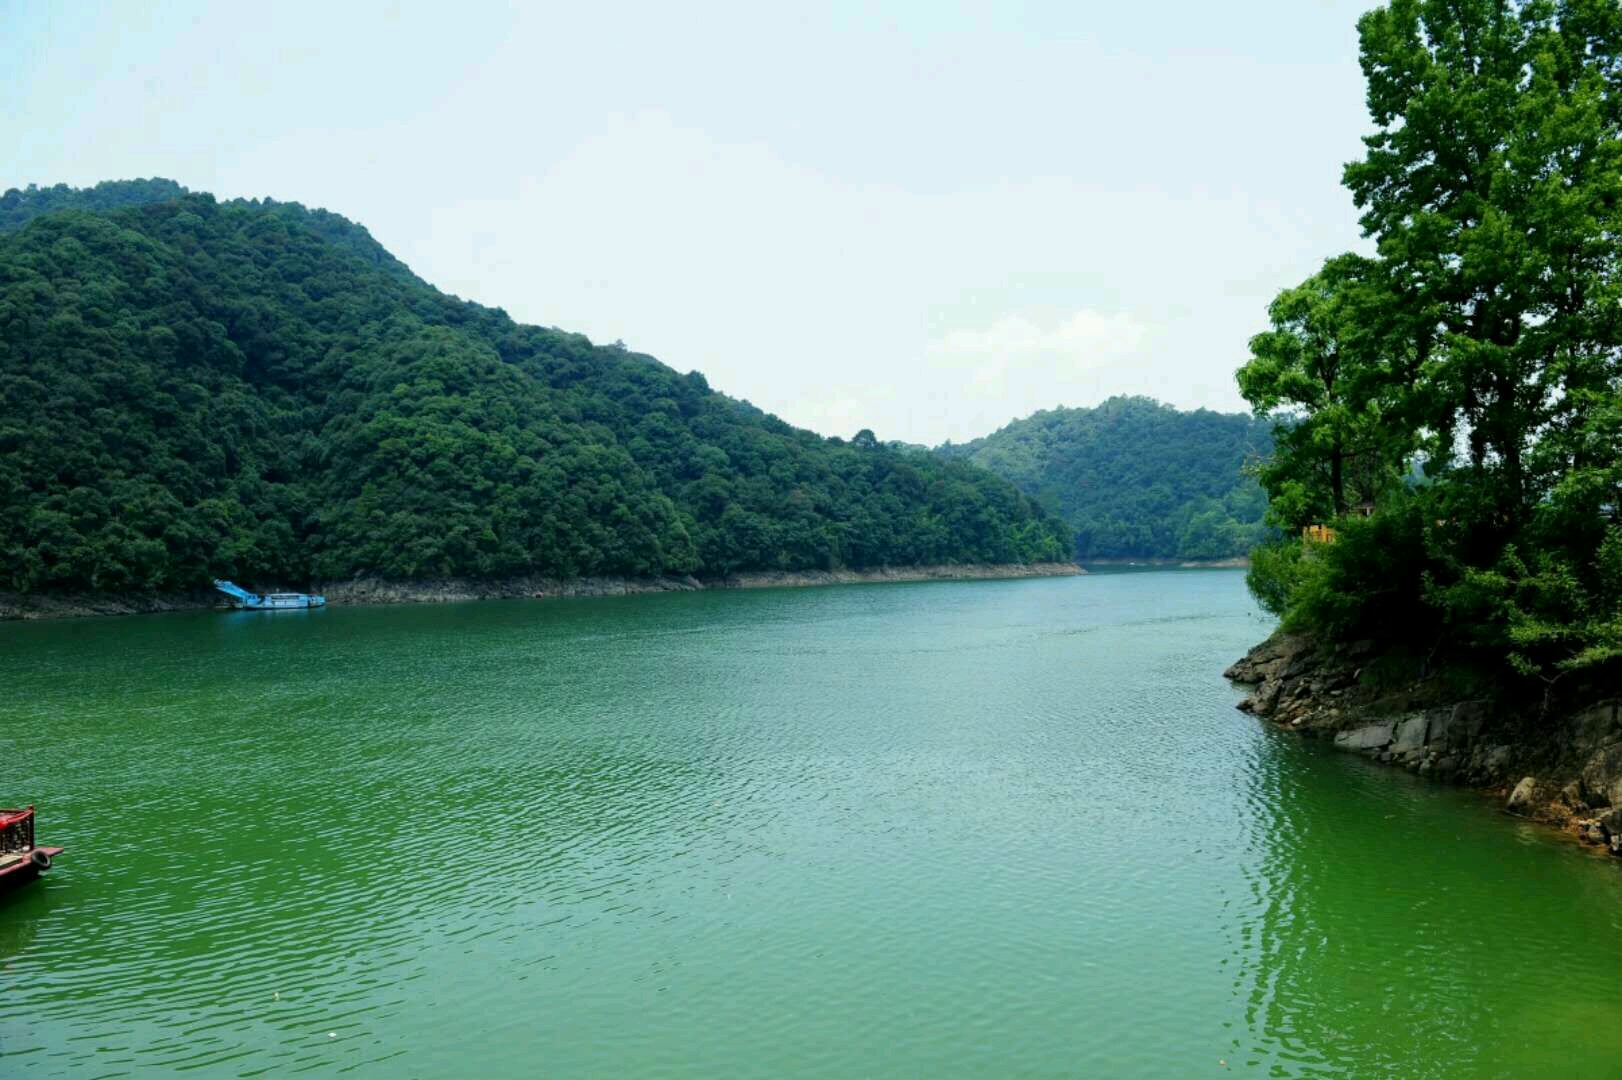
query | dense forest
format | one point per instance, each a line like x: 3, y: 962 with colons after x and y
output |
x: 19, y: 206
x: 192, y: 389
x: 1464, y: 382
x: 1137, y: 479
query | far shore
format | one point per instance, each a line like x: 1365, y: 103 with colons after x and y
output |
x: 452, y: 590
x: 1237, y: 562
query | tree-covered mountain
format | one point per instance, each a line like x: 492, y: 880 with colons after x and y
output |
x: 191, y: 389
x: 20, y: 205
x: 1137, y: 479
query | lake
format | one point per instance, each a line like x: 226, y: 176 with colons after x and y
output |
x: 973, y: 829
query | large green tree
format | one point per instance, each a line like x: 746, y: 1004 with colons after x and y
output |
x: 1487, y: 333
x: 1322, y: 372
x: 1493, y: 188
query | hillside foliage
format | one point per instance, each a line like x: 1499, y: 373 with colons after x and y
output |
x: 1135, y: 478
x: 193, y: 389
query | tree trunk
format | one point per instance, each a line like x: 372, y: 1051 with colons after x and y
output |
x: 1337, y: 484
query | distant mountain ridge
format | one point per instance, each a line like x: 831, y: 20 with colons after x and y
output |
x: 250, y: 389
x: 19, y: 206
x: 1136, y: 478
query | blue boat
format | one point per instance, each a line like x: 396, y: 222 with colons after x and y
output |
x: 276, y: 601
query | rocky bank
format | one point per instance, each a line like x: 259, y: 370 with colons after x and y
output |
x: 1560, y: 766
x: 377, y: 591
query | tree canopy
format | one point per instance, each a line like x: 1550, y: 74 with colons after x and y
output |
x: 1470, y: 369
x: 192, y: 389
x: 1135, y: 478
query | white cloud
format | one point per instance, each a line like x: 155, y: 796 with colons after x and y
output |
x: 984, y: 376
x: 1085, y: 338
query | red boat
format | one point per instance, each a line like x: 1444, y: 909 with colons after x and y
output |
x: 20, y: 860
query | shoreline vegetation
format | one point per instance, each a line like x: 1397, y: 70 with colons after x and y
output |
x: 359, y: 591
x: 1237, y: 562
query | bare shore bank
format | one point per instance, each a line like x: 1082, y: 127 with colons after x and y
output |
x: 450, y: 590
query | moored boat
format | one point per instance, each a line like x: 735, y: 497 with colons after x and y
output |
x: 20, y: 859
x: 250, y: 601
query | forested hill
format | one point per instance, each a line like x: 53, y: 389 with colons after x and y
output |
x: 19, y: 206
x: 1137, y: 479
x: 191, y: 389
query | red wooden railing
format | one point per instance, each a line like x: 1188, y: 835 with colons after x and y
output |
x: 17, y: 830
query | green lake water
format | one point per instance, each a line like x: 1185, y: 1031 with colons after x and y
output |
x: 976, y: 829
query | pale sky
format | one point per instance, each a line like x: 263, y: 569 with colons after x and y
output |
x: 927, y: 219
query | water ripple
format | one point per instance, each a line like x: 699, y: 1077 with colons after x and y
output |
x: 968, y: 829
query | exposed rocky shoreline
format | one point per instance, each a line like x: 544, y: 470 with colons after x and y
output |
x: 1562, y: 767
x: 450, y: 590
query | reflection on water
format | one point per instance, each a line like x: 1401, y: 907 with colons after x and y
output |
x: 968, y: 829
x: 1394, y: 926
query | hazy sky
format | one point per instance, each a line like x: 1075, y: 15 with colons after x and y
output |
x: 927, y: 220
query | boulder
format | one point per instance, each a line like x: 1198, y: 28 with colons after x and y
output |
x: 1299, y: 664
x: 1410, y: 734
x: 1602, y: 777
x: 1460, y: 725
x: 1267, y: 659
x: 1595, y: 726
x: 1611, y: 822
x: 1366, y: 739
x: 1494, y: 760
x: 1590, y: 831
x: 1521, y: 800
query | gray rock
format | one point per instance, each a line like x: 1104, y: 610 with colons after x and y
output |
x: 1299, y: 665
x: 1611, y: 822
x: 1494, y: 759
x: 1522, y: 798
x: 1365, y: 739
x: 1590, y: 831
x: 1410, y: 734
x: 1596, y: 725
x: 1602, y: 777
x: 1461, y: 725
